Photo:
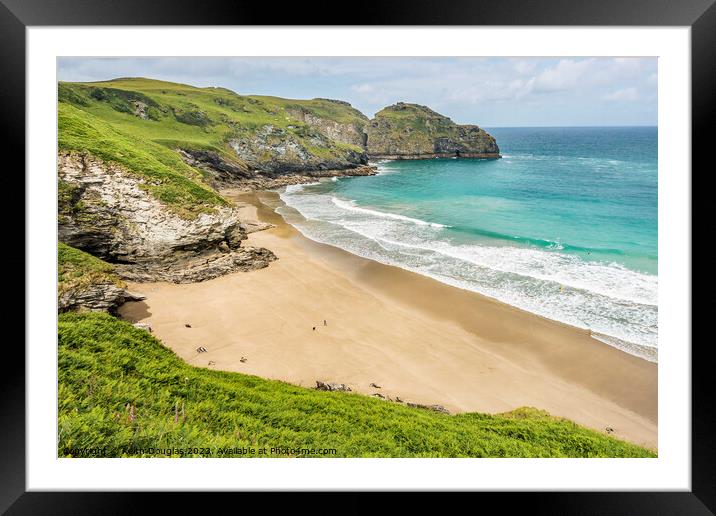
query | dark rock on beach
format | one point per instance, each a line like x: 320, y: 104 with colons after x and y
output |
x: 321, y: 386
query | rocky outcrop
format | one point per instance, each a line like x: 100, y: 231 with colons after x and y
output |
x: 108, y: 213
x: 273, y: 151
x: 202, y: 268
x: 411, y: 131
x: 100, y: 297
x: 226, y: 174
x: 222, y: 171
x: 338, y: 387
x: 350, y: 132
x: 260, y: 182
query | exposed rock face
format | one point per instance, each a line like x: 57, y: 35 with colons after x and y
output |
x: 202, y: 268
x: 411, y: 131
x: 274, y: 151
x: 351, y: 133
x: 226, y: 174
x: 105, y: 211
x: 102, y: 297
x: 260, y: 182
x: 220, y: 170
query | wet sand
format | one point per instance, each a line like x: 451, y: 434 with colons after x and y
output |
x: 419, y: 339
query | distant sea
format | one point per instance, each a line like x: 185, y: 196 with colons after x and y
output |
x: 564, y: 225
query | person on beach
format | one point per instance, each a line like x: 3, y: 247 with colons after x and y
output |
x: 325, y: 323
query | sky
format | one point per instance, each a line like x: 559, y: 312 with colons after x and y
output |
x: 491, y: 92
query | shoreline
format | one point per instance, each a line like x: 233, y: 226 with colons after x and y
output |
x: 640, y: 350
x: 417, y: 338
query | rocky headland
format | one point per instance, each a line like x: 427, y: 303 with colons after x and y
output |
x: 142, y: 164
x: 411, y: 131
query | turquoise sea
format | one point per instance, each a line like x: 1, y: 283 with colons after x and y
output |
x: 564, y: 225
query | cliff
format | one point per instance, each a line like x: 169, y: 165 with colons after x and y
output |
x: 411, y: 131
x: 110, y: 212
x: 86, y: 283
x: 141, y: 163
x: 231, y: 137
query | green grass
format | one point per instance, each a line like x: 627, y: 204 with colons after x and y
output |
x: 101, y: 118
x: 176, y: 184
x: 120, y: 390
x: 323, y: 108
x: 418, y: 118
x: 78, y: 270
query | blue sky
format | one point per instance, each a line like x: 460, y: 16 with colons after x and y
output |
x: 491, y: 92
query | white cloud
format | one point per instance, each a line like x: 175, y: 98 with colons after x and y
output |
x: 524, y: 66
x: 624, y: 94
x: 488, y: 91
x: 363, y: 88
x: 566, y: 75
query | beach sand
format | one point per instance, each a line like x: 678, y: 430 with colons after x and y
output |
x: 418, y: 339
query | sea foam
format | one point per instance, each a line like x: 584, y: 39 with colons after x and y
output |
x: 617, y: 304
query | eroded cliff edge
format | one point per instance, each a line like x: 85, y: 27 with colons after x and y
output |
x: 141, y: 165
x: 108, y: 212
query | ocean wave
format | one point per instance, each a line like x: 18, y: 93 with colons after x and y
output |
x: 557, y: 245
x: 383, y: 170
x: 606, y: 298
x: 293, y: 189
x: 609, y: 280
x: 650, y: 353
x: 351, y: 206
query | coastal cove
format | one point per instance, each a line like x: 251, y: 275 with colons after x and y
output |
x: 418, y: 339
x: 226, y: 259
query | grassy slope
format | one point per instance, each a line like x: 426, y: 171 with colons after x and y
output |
x: 100, y: 118
x: 106, y: 367
x: 77, y: 270
x: 169, y: 179
x: 320, y: 107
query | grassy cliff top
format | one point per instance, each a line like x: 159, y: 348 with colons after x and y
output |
x: 336, y: 110
x: 405, y: 110
x: 179, y: 186
x: 120, y: 388
x: 204, y: 115
x: 139, y: 123
x: 421, y: 120
x: 78, y: 270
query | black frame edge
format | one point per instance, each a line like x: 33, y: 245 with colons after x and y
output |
x: 12, y: 381
x: 368, y: 12
x: 703, y: 108
x: 699, y: 14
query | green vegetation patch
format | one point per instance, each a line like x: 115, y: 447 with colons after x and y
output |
x: 337, y: 111
x: 173, y: 182
x: 77, y: 270
x: 121, y: 390
x: 419, y: 119
x: 135, y: 115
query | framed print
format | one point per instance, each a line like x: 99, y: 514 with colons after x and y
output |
x: 445, y: 251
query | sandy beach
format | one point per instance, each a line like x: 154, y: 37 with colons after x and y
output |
x: 418, y: 339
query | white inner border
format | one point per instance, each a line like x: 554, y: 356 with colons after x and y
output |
x: 672, y: 469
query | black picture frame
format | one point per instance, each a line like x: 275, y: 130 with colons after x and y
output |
x: 17, y: 15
